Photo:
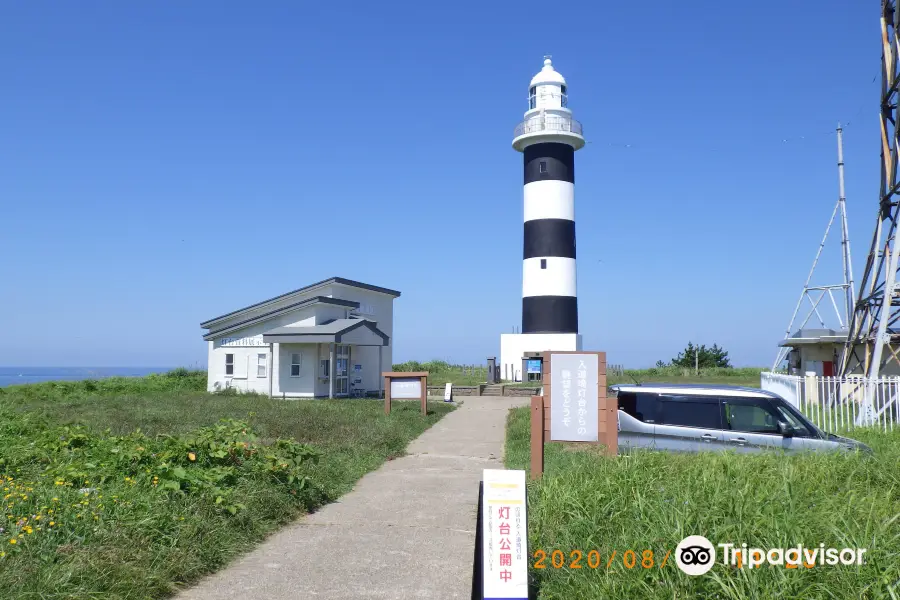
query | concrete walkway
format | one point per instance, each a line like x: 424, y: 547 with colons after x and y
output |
x: 406, y: 530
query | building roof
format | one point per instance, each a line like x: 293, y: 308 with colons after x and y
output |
x: 338, y: 280
x: 803, y: 337
x: 327, y: 332
x: 214, y: 333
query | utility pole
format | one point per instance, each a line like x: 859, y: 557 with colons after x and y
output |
x: 845, y: 233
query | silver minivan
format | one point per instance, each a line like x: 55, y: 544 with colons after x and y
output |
x: 697, y: 418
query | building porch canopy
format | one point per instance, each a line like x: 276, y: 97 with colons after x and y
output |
x: 356, y: 332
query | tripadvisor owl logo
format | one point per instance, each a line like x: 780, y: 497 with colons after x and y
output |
x: 695, y: 555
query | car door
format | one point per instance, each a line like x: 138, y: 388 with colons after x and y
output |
x: 689, y: 423
x: 637, y: 415
x: 751, y: 425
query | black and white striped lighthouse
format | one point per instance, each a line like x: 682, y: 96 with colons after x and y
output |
x: 548, y: 138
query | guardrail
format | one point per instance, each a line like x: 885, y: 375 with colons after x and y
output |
x: 548, y: 123
x: 840, y: 403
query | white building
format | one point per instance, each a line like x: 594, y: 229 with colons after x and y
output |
x: 548, y: 138
x: 329, y: 339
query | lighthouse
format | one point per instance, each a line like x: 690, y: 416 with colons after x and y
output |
x: 547, y: 138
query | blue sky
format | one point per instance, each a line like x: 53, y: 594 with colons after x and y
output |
x: 162, y: 163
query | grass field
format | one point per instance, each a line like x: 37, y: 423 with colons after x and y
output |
x: 101, y: 511
x: 651, y: 501
x: 441, y: 372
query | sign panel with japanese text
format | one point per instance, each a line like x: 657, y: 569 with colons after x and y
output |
x: 574, y: 393
x: 504, y: 535
x: 406, y: 387
x: 256, y: 340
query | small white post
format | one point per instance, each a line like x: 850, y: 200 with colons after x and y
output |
x: 331, y: 370
x: 380, y: 378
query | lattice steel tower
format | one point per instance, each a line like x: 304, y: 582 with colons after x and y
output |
x: 873, y: 342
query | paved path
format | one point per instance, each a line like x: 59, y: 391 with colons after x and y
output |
x: 406, y: 530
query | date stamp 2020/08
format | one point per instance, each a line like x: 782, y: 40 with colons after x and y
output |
x: 593, y: 559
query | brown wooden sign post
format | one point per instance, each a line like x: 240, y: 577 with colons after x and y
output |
x: 406, y: 385
x: 607, y: 433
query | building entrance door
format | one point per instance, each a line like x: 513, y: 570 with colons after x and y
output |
x: 341, y: 371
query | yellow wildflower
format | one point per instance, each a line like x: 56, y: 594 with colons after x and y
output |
x: 52, y: 523
x: 192, y: 456
x: 12, y: 541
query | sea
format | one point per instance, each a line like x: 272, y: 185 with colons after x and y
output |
x: 23, y: 375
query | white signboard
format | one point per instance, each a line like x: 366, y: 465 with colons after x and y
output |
x: 409, y: 387
x: 256, y: 340
x: 448, y: 391
x: 574, y: 404
x: 504, y: 535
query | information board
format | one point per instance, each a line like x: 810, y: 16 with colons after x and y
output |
x: 533, y: 366
x: 406, y: 387
x: 574, y: 397
x: 504, y: 535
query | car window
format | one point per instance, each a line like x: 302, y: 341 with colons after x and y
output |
x: 751, y: 415
x: 690, y: 411
x: 642, y: 406
x: 800, y: 428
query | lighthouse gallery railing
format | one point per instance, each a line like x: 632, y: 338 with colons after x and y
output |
x: 548, y: 123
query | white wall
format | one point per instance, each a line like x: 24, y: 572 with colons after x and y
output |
x: 216, y: 352
x: 245, y: 369
x: 513, y: 347
x: 295, y: 387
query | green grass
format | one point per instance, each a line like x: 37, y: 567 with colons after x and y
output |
x: 441, y: 372
x: 199, y: 492
x: 652, y: 500
x: 745, y: 376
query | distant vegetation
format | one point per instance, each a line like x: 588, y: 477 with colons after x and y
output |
x: 441, y: 372
x: 699, y: 356
x: 130, y: 487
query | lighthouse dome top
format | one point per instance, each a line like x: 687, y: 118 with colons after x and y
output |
x: 548, y: 75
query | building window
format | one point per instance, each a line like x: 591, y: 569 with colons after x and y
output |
x: 324, y: 366
x: 543, y: 263
x: 229, y: 364
x: 296, y: 362
x: 532, y: 97
x: 260, y: 366
x: 562, y: 89
x: 543, y: 166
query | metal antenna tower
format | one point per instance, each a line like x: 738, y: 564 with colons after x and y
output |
x: 873, y: 341
x: 815, y: 294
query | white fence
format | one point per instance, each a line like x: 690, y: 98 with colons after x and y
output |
x: 840, y: 403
